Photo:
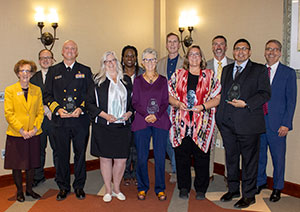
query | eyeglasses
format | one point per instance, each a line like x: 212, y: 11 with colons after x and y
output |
x: 272, y: 49
x: 110, y: 61
x: 194, y: 54
x: 46, y: 58
x: 241, y: 48
x: 25, y: 71
x: 151, y: 60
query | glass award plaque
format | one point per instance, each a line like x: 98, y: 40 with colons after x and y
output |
x: 152, y: 106
x: 234, y: 92
x: 70, y: 104
x: 191, y: 99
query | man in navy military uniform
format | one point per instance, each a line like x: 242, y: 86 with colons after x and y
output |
x: 66, y: 88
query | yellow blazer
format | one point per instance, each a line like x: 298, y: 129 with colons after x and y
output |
x: 20, y: 113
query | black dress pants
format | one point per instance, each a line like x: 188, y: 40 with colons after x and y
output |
x: 183, y: 156
x: 63, y: 137
x: 247, y: 146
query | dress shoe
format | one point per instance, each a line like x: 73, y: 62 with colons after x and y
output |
x: 62, y: 195
x: 183, y: 193
x: 20, y: 197
x: 119, y: 196
x: 33, y: 194
x: 244, y: 202
x: 107, y: 198
x: 80, y: 193
x: 229, y: 195
x: 261, y: 187
x: 200, y: 195
x: 37, y: 182
x: 275, y: 196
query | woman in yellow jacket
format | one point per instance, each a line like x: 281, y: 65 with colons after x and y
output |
x: 24, y: 114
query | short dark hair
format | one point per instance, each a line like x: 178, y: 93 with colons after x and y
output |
x: 170, y: 34
x: 219, y: 37
x: 277, y: 42
x: 47, y: 51
x: 242, y: 40
x: 25, y: 62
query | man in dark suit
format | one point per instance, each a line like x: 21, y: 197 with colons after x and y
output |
x: 66, y: 89
x: 219, y: 48
x: 240, y: 120
x: 45, y: 60
x: 279, y: 113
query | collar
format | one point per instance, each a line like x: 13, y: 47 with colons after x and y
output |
x: 71, y: 66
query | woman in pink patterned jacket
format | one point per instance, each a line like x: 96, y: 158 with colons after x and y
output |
x: 194, y: 94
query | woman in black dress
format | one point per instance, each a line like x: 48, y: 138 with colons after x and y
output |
x: 109, y: 105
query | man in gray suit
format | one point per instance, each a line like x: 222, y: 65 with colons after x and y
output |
x: 166, y: 66
x: 219, y: 47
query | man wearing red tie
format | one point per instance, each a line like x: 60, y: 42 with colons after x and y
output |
x: 279, y: 112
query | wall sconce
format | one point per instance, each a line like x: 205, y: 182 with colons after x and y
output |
x: 187, y: 19
x: 47, y: 38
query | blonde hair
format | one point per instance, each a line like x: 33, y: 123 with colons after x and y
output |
x: 101, y: 75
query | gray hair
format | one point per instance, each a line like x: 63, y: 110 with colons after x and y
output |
x: 101, y: 75
x: 149, y: 51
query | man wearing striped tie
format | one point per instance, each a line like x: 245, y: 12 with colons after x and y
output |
x: 219, y: 48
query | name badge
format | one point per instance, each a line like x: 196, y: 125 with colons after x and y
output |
x: 58, y: 77
x: 20, y: 93
x: 79, y: 76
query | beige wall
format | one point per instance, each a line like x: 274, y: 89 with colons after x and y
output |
x: 96, y: 26
x: 103, y: 25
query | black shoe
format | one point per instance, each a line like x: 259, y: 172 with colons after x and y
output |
x: 200, y: 195
x: 261, y: 187
x: 244, y: 202
x: 275, y: 196
x: 33, y: 195
x: 37, y: 182
x: 229, y: 195
x: 183, y: 193
x: 80, y: 193
x: 20, y: 197
x: 62, y: 195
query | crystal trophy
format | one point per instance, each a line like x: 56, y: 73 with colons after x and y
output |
x: 234, y: 92
x: 152, y: 106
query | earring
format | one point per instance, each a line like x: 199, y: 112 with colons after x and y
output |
x: 135, y: 63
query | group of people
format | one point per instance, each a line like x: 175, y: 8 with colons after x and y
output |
x: 181, y: 102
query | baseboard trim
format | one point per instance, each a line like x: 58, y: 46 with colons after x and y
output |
x: 291, y: 189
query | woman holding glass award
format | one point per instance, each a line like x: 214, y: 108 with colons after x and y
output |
x: 150, y: 99
x: 194, y: 94
x: 109, y: 106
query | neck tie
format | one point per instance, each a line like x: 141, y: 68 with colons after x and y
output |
x: 219, y: 71
x: 69, y: 69
x: 265, y: 106
x: 238, y: 71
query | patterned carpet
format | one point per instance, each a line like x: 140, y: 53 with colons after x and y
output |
x: 94, y: 190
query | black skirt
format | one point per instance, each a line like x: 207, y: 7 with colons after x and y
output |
x: 110, y: 141
x: 22, y: 153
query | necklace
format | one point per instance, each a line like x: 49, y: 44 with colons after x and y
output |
x: 150, y: 79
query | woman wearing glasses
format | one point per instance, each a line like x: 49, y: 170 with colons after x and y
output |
x: 150, y: 99
x: 24, y: 113
x: 193, y: 95
x: 109, y: 106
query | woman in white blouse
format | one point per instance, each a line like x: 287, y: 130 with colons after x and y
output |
x: 109, y: 106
